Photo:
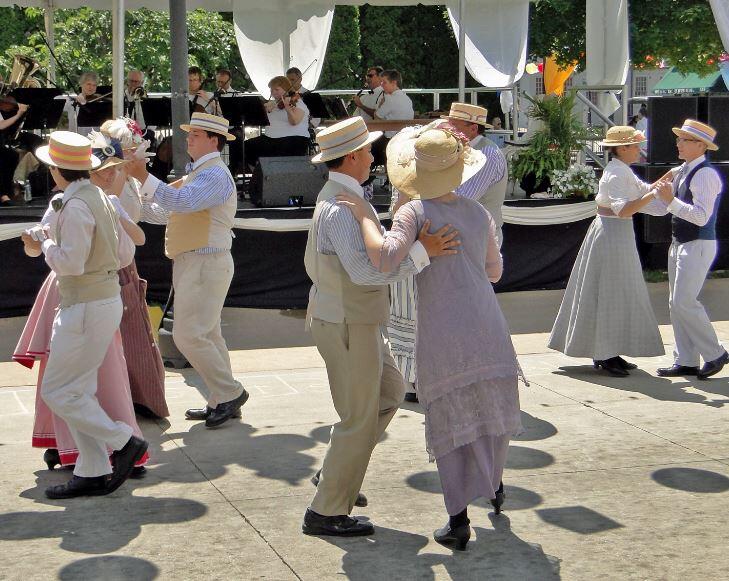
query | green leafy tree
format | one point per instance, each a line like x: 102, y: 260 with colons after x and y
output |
x: 342, y: 61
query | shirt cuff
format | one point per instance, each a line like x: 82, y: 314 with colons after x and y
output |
x: 419, y: 255
x: 47, y: 243
x: 149, y: 187
x: 675, y: 205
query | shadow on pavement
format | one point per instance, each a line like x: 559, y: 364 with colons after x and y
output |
x: 96, y: 525
x: 392, y: 554
x: 109, y: 568
x: 692, y: 480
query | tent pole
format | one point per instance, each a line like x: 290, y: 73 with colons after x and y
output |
x: 180, y: 106
x: 461, y: 51
x: 51, y: 38
x: 117, y: 68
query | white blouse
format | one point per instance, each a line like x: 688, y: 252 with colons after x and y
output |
x: 280, y: 126
x: 619, y: 185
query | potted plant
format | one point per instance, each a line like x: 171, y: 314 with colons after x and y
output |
x: 577, y: 181
x: 550, y: 147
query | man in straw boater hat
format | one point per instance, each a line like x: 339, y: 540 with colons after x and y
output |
x: 693, y: 199
x: 198, y: 239
x: 488, y: 186
x: 348, y: 307
x: 82, y: 250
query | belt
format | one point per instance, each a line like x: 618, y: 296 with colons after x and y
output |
x: 603, y: 211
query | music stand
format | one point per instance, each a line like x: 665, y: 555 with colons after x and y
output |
x: 157, y: 111
x: 94, y: 114
x: 45, y: 110
x: 244, y: 110
x: 316, y: 105
x: 337, y: 107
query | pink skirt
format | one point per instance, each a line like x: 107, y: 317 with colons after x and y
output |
x: 50, y: 431
x: 144, y: 362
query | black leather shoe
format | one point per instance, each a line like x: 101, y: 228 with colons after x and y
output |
x: 625, y: 364
x: 79, y: 486
x: 138, y: 472
x: 611, y: 366
x: 123, y: 461
x: 455, y: 538
x: 677, y: 370
x: 225, y: 411
x: 338, y: 526
x: 200, y: 414
x: 713, y: 367
x: 411, y: 397
x: 51, y: 458
x: 361, y: 498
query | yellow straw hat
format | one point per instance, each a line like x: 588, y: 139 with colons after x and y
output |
x: 622, y: 135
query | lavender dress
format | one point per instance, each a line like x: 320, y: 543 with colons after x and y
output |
x: 467, y: 367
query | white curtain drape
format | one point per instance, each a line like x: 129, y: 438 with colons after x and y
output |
x: 607, y: 47
x: 496, y: 39
x: 558, y: 214
x: 277, y: 34
x: 721, y: 15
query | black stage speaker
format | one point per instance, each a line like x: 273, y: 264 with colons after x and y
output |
x: 287, y: 181
x: 718, y: 118
x: 657, y: 229
x: 664, y: 113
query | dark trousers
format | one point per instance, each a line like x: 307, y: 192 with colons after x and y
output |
x: 379, y: 148
x: 265, y: 146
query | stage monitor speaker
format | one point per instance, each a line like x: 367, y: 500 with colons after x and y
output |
x: 287, y: 181
x: 664, y: 113
x: 718, y: 118
x: 657, y: 229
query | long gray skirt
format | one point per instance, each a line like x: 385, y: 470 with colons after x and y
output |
x: 605, y: 310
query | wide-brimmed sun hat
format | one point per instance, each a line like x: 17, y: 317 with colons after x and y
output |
x: 343, y: 138
x: 622, y: 135
x: 67, y: 150
x: 208, y: 122
x: 107, y: 149
x: 692, y: 129
x: 431, y: 161
x: 469, y: 113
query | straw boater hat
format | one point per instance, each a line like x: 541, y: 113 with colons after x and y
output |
x: 67, y: 150
x: 342, y: 138
x: 470, y: 113
x: 430, y: 161
x: 208, y: 122
x: 622, y: 135
x: 107, y: 150
x: 696, y: 130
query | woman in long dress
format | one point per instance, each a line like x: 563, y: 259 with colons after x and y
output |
x: 606, y: 311
x: 144, y: 362
x: 113, y: 393
x: 467, y: 367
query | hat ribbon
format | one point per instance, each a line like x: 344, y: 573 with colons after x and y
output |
x: 697, y: 132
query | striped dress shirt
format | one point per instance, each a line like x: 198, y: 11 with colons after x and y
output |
x: 339, y: 233
x: 705, y: 186
x: 487, y: 176
x: 211, y: 187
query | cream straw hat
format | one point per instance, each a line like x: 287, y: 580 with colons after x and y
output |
x: 208, y: 122
x: 430, y: 161
x: 342, y: 138
x: 67, y: 150
x: 470, y: 113
x: 622, y: 135
x: 692, y: 129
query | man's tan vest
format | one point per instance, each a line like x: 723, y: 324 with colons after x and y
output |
x: 333, y: 296
x: 212, y: 227
x: 99, y: 279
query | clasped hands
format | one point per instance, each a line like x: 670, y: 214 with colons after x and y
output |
x: 440, y: 243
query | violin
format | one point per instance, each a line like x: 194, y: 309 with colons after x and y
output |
x: 281, y: 104
x: 9, y: 105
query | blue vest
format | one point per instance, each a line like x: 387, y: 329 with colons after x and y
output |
x: 683, y: 230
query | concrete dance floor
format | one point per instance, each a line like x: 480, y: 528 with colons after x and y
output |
x: 614, y: 478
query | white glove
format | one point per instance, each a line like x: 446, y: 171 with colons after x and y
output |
x: 38, y: 233
x: 141, y: 151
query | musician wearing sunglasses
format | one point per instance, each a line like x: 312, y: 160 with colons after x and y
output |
x: 369, y: 98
